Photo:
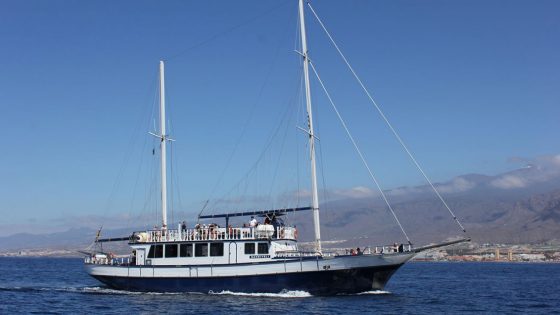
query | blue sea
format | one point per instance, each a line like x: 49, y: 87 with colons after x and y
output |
x: 60, y: 285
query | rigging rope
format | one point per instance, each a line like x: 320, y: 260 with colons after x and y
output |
x: 399, y: 139
x: 262, y: 155
x: 324, y: 209
x: 300, y: 109
x: 359, y: 152
x: 277, y: 167
x: 288, y: 112
x: 257, y: 102
x: 175, y: 180
x: 171, y: 183
x: 228, y: 30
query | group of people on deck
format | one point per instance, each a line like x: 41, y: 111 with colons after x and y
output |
x: 355, y: 252
x: 214, y: 231
x: 211, y: 231
x: 396, y: 248
x: 252, y: 223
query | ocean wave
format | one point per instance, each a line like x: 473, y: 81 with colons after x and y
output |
x: 13, y: 289
x: 282, y: 294
x: 35, y: 289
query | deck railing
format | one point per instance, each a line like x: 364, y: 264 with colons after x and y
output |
x: 380, y: 249
x: 386, y: 249
x: 215, y: 233
x: 109, y: 259
x: 295, y: 254
x: 369, y: 250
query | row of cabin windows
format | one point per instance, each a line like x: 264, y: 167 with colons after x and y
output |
x: 262, y: 248
x: 201, y: 250
x: 186, y: 250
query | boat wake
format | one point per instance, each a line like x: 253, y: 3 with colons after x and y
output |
x: 88, y: 290
x: 374, y: 292
x: 282, y: 294
x: 105, y: 290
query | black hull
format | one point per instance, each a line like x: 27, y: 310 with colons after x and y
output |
x: 326, y: 282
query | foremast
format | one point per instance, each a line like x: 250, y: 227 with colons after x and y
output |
x: 314, y: 194
x: 164, y: 139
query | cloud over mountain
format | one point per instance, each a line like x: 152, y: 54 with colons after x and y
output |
x: 508, y: 182
x: 458, y: 184
x: 540, y: 169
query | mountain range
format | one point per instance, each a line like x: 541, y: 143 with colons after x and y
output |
x: 519, y: 206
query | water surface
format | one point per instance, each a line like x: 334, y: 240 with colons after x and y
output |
x: 60, y: 285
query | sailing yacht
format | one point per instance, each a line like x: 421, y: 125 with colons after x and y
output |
x: 263, y: 258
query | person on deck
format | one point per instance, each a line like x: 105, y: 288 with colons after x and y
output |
x: 253, y: 223
x: 230, y: 231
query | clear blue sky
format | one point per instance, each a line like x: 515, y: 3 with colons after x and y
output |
x: 469, y: 85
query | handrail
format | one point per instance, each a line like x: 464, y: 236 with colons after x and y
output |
x: 296, y: 253
x: 104, y: 259
x: 216, y: 233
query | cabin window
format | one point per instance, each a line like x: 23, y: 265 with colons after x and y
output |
x: 186, y: 250
x: 263, y: 248
x: 249, y: 248
x: 156, y: 251
x: 217, y: 249
x: 171, y: 250
x: 201, y: 249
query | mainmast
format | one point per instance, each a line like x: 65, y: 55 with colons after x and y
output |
x: 163, y: 138
x: 314, y: 195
